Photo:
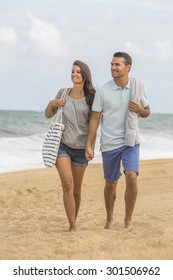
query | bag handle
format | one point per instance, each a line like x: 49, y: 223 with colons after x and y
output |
x: 58, y: 117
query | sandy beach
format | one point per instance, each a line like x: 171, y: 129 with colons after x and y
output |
x: 33, y: 224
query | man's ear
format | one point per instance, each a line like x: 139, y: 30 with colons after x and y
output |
x: 128, y: 67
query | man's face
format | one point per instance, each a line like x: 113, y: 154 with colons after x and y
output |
x: 118, y: 67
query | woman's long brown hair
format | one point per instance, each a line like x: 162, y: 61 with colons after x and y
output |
x: 89, y: 90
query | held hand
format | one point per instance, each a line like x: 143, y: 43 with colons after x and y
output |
x: 57, y: 102
x: 89, y: 153
x: 135, y: 107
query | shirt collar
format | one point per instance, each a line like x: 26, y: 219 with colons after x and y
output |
x: 115, y: 87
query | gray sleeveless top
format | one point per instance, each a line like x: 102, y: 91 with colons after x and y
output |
x: 75, y: 118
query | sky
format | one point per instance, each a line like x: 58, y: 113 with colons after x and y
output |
x: 40, y: 39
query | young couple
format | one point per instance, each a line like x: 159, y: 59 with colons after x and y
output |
x: 116, y: 106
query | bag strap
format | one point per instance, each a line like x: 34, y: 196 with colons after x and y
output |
x: 63, y: 96
x: 58, y: 117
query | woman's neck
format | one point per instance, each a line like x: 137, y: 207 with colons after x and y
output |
x: 77, y: 92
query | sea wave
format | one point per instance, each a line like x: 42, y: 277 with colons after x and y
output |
x: 21, y: 153
x: 22, y: 134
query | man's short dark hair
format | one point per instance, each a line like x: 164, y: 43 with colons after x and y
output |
x: 126, y: 57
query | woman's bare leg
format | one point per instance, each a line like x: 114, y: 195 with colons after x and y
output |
x: 64, y: 168
x: 78, y: 174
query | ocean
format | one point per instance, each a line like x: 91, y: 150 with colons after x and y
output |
x: 22, y: 135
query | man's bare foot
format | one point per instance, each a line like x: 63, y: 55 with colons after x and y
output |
x: 108, y: 225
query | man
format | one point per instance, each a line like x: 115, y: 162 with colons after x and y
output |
x: 117, y: 106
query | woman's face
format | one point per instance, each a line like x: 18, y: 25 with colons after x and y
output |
x: 76, y: 75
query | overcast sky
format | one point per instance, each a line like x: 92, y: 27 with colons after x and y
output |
x: 39, y: 40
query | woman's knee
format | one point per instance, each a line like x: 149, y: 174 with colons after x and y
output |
x: 77, y: 193
x: 68, y: 185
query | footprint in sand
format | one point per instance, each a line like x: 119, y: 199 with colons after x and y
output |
x: 18, y: 192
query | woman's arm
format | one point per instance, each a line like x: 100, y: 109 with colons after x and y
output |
x: 51, y: 107
x: 91, y: 136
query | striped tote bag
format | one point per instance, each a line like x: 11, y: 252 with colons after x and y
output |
x: 53, y: 138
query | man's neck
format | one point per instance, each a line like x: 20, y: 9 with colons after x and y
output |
x: 121, y: 82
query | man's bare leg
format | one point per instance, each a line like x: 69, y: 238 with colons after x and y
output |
x: 110, y: 197
x: 130, y: 197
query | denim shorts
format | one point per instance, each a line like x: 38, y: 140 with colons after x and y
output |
x: 129, y: 156
x: 77, y: 156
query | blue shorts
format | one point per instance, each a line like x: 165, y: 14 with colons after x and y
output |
x: 77, y: 156
x: 112, y: 161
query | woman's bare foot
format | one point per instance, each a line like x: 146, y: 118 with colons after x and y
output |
x: 72, y: 228
x: 108, y: 225
x: 128, y: 224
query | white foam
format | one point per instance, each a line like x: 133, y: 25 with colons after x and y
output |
x: 21, y: 153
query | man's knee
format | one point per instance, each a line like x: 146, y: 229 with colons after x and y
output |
x: 111, y: 185
x: 131, y: 178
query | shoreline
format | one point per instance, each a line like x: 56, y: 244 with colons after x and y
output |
x: 34, y: 224
x: 90, y: 163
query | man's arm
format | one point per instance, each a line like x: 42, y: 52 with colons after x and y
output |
x: 91, y: 136
x: 138, y: 109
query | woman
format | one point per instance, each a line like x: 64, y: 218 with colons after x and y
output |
x: 71, y: 161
